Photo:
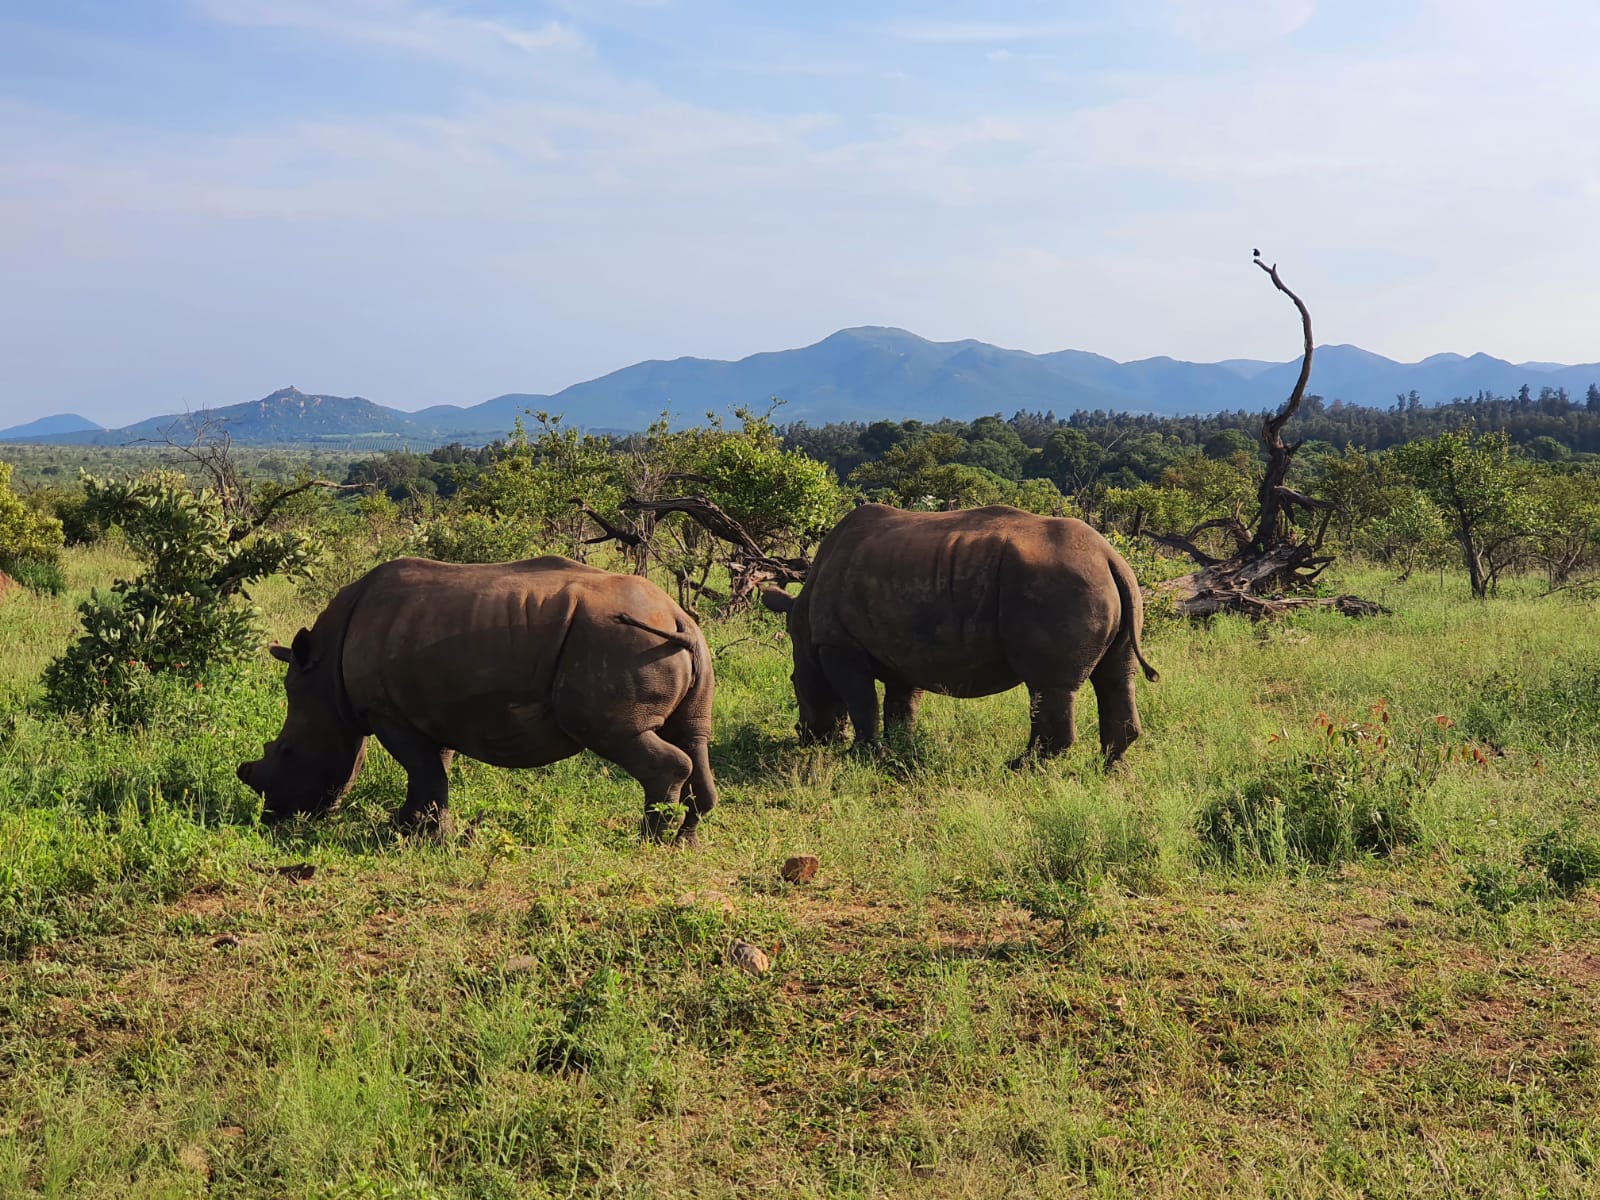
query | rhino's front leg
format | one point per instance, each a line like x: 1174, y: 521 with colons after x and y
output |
x: 427, y: 767
x: 852, y: 677
x: 900, y: 704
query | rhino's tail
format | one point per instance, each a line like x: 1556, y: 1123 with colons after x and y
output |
x: 690, y: 640
x: 1128, y: 593
x: 686, y: 641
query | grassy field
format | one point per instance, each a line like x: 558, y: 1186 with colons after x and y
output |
x: 1331, y: 931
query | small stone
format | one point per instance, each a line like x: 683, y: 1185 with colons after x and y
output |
x: 520, y: 964
x: 800, y: 868
x: 748, y: 958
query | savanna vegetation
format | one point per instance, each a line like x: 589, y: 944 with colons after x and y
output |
x: 1329, y: 931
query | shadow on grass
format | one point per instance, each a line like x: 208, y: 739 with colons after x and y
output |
x: 749, y: 754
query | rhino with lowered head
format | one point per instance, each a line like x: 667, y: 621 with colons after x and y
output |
x: 515, y: 664
x: 967, y: 604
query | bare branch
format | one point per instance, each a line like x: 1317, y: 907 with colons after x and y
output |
x: 246, y: 528
x: 611, y: 532
x: 1276, y: 423
x: 1184, y: 546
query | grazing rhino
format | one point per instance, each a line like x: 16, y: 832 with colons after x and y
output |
x: 968, y: 604
x: 515, y: 664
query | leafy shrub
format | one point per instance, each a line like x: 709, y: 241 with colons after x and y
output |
x: 351, y: 543
x: 70, y: 507
x: 30, y: 541
x: 185, y: 615
x: 479, y: 537
x: 1564, y: 710
x: 47, y: 577
x: 1554, y: 864
x: 781, y: 497
x: 1567, y: 859
x: 1350, y: 794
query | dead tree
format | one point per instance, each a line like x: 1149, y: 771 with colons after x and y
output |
x: 749, y: 566
x: 1274, y: 565
x: 209, y: 451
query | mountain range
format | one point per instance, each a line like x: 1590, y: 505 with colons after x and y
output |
x: 868, y: 373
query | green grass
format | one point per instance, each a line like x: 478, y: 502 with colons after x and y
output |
x: 1056, y: 982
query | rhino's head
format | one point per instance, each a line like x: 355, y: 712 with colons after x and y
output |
x: 315, y: 758
x: 822, y: 712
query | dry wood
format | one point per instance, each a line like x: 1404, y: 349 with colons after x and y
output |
x: 1273, y: 562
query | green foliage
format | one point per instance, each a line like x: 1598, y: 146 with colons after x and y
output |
x: 41, y: 576
x: 30, y: 541
x: 1569, y: 860
x: 1562, y: 711
x: 782, y: 498
x: 184, y: 615
x: 1483, y: 490
x: 1353, y: 792
x: 1556, y: 864
x: 354, y: 538
x: 472, y: 536
x: 1410, y: 532
x: 1070, y: 460
x: 524, y: 501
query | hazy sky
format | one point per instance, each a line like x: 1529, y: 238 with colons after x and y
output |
x: 435, y: 201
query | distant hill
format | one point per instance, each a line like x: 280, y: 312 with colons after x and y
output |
x: 867, y: 373
x: 48, y: 426
x: 286, y: 416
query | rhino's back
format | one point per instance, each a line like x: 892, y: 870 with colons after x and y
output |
x: 483, y: 657
x: 967, y: 602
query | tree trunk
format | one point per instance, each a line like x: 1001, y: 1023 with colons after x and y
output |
x: 1272, y: 563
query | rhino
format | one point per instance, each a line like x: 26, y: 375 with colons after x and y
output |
x: 514, y: 664
x: 965, y: 603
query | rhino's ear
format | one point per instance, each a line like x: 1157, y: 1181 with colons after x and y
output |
x: 281, y: 653
x: 305, y: 653
x: 776, y: 599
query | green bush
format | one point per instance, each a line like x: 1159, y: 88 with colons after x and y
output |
x: 1560, y: 712
x: 479, y: 537
x: 1350, y: 794
x: 184, y: 616
x: 1554, y: 865
x: 47, y: 577
x: 30, y: 541
x: 1568, y: 860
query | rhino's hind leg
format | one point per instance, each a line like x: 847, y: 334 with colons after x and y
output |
x: 660, y: 766
x: 1054, y: 724
x: 1113, y: 681
x: 851, y: 675
x: 700, y: 793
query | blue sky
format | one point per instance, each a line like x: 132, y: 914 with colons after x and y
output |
x: 436, y: 201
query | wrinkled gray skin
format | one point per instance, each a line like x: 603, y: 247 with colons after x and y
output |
x: 514, y: 664
x: 966, y: 604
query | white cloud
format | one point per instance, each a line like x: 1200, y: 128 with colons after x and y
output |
x: 394, y: 24
x: 962, y: 32
x: 1236, y: 24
